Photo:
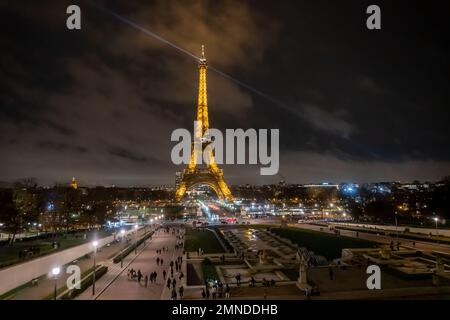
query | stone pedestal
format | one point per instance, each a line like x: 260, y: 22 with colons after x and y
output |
x: 439, y: 265
x: 263, y: 257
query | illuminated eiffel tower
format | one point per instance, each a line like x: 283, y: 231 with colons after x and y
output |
x: 211, y: 175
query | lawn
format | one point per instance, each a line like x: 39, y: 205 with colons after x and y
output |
x: 327, y: 245
x: 202, y: 238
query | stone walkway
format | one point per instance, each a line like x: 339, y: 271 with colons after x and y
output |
x: 116, y: 285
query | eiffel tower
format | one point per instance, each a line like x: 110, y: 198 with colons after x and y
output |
x: 210, y: 175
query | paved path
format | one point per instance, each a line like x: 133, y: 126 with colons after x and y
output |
x: 115, y: 285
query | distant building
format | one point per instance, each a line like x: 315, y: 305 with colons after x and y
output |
x: 74, y: 183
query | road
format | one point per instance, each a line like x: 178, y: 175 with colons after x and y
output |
x: 116, y: 285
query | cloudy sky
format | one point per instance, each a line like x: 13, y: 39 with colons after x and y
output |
x: 100, y: 103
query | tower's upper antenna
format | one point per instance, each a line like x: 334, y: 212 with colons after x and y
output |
x: 202, y: 58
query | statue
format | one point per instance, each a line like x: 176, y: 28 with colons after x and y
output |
x: 302, y: 281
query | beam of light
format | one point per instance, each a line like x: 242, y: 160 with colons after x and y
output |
x: 196, y: 58
x: 266, y: 96
x: 147, y: 32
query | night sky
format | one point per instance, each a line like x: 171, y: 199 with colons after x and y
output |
x: 100, y: 103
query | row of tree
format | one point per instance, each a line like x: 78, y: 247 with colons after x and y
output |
x: 26, y: 207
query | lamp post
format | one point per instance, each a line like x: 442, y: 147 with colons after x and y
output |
x: 55, y: 273
x: 95, y: 244
x: 396, y: 224
x: 436, y: 219
x: 122, y: 232
x: 135, y: 242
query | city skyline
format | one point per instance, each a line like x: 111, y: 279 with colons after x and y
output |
x: 346, y: 112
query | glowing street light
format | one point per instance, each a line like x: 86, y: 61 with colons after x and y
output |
x: 55, y: 273
x: 436, y: 219
x: 135, y: 242
x: 95, y: 244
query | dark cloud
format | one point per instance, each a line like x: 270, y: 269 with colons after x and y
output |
x: 101, y: 103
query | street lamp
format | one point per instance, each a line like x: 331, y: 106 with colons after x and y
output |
x: 95, y: 244
x: 436, y: 219
x: 135, y: 243
x: 55, y: 273
x: 122, y: 232
x: 396, y: 224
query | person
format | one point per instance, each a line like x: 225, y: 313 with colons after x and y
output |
x: 157, y: 261
x: 181, y: 291
x: 398, y: 246
x: 146, y: 281
x: 139, y: 276
x: 155, y: 274
x: 164, y: 274
x: 203, y: 294
x: 414, y: 243
x: 181, y: 275
x: 174, y: 283
x: 174, y: 294
x: 227, y: 291
x: 207, y: 293
x: 252, y: 282
x: 308, y: 293
x: 168, y: 283
x: 162, y: 261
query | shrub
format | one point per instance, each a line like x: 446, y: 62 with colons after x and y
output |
x: 122, y: 254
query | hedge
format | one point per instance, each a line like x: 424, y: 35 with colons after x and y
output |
x: 122, y: 254
x: 85, y: 283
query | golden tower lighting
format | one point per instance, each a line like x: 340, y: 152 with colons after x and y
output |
x: 212, y: 175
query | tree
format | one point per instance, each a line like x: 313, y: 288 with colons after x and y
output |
x: 20, y: 206
x: 67, y: 206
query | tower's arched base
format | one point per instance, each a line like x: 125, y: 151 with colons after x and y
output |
x: 207, y: 177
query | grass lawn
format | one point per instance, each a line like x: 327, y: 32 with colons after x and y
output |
x: 204, y: 239
x: 327, y: 245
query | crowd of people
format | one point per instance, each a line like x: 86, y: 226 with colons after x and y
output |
x: 173, y: 274
x: 217, y: 290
